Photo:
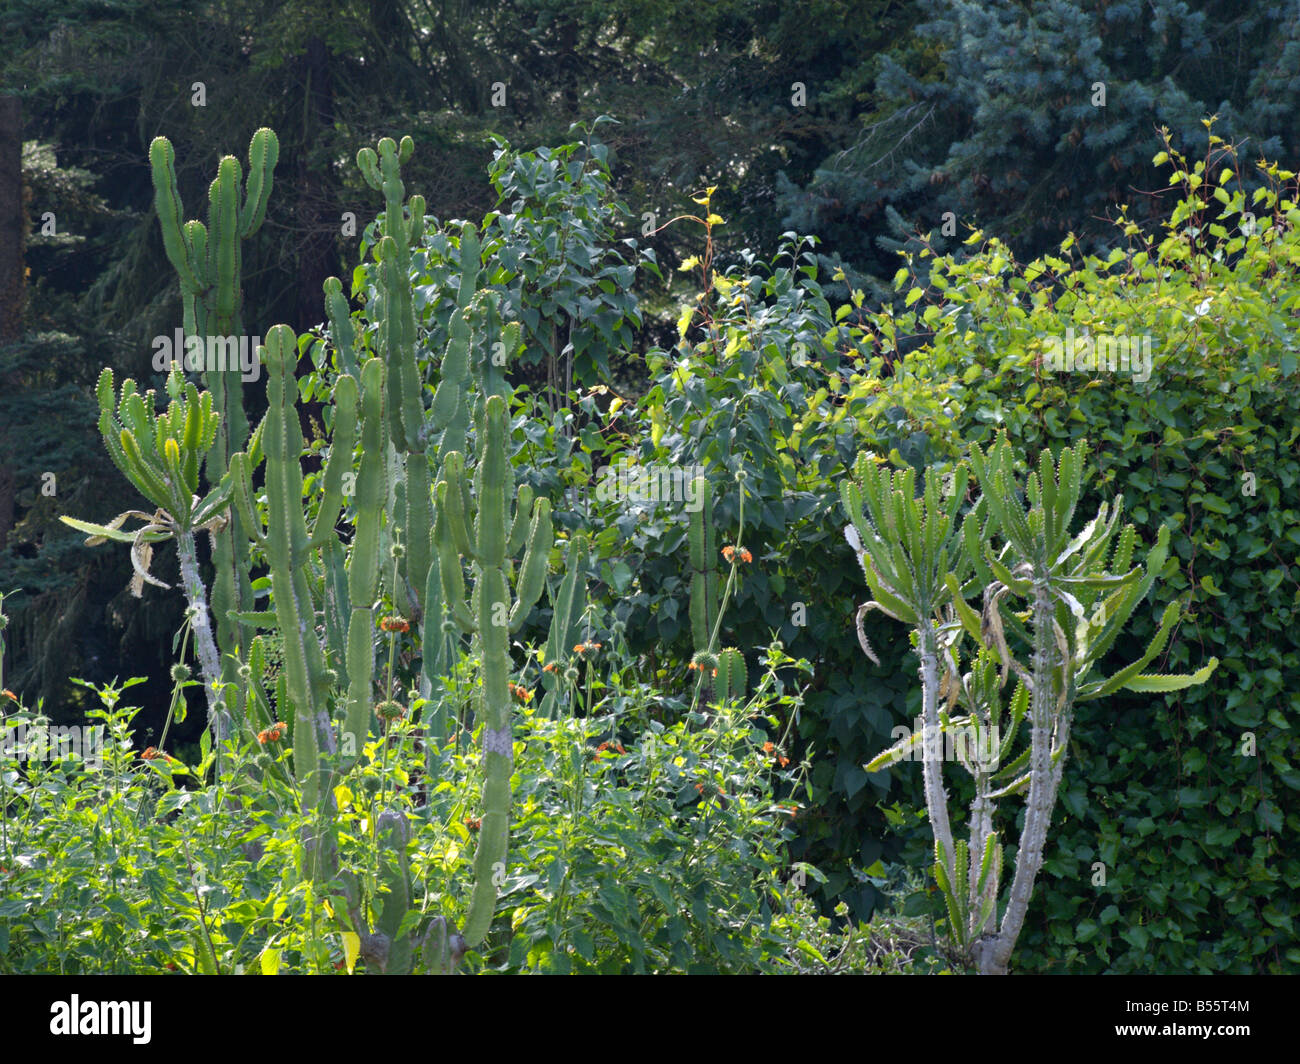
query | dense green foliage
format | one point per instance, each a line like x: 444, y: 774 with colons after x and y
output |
x: 708, y: 285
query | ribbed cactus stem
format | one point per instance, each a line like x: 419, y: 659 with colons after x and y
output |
x: 363, y: 565
x: 495, y: 709
x: 732, y: 678
x: 704, y: 567
x: 287, y: 547
x: 393, y: 836
x: 568, y: 606
x: 208, y: 263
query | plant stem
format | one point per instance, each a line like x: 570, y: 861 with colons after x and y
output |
x: 994, y: 955
x: 936, y: 797
x: 204, y: 642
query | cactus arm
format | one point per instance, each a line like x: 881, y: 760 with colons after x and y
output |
x: 287, y: 541
x: 363, y: 570
x: 223, y: 244
x: 243, y: 496
x: 435, y: 661
x: 470, y: 263
x: 453, y: 504
x: 449, y: 397
x: 449, y: 566
x: 263, y: 153
x: 363, y: 565
x: 732, y: 677
x: 340, y: 459
x: 393, y: 837
x: 704, y: 567
x: 532, y: 573
x: 342, y: 331
x: 520, y: 527
x: 419, y: 522
x: 167, y: 202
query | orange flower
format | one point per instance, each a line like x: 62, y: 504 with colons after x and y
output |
x: 9, y: 694
x: 149, y: 754
x: 395, y: 624
x: 522, y: 693
x: 584, y: 648
x: 473, y: 823
x: 783, y: 761
x: 549, y: 667
x: 728, y: 552
x: 731, y: 553
x: 768, y: 748
x: 273, y: 734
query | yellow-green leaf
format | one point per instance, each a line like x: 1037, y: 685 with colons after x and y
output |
x: 351, y: 949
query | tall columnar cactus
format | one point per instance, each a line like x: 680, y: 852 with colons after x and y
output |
x: 288, y: 545
x: 568, y: 604
x: 162, y: 456
x: 490, y: 614
x: 208, y: 262
x: 704, y: 568
x: 364, y: 561
x: 921, y: 571
x: 407, y: 424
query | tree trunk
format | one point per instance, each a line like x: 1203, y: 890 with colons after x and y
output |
x: 13, y: 278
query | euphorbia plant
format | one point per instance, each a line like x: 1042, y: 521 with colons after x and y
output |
x: 162, y: 456
x: 921, y: 566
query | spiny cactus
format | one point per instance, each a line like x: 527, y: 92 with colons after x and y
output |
x: 364, y: 559
x: 704, y: 568
x: 732, y: 679
x: 287, y: 545
x: 490, y: 615
x: 324, y: 593
x: 568, y: 604
x: 208, y: 263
